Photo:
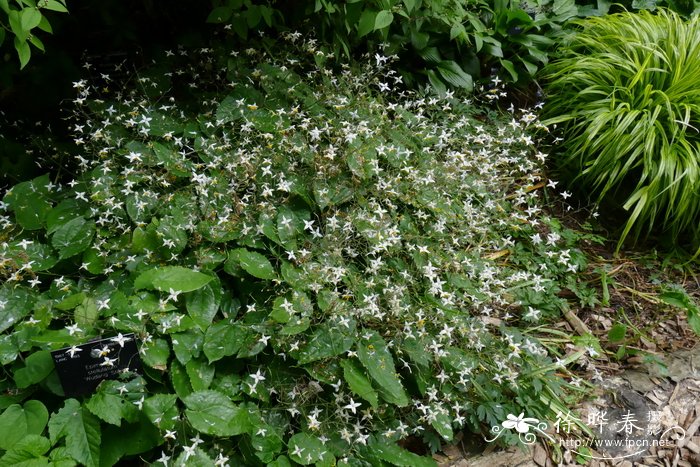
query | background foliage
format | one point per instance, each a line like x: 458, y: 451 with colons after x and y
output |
x: 625, y: 92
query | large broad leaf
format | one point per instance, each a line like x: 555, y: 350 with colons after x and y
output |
x: 107, y: 407
x: 128, y: 440
x: 161, y: 410
x: 376, y: 358
x: 27, y: 452
x: 73, y: 237
x: 213, y: 413
x: 36, y: 367
x: 81, y: 430
x: 16, y: 422
x: 29, y: 201
x: 176, y: 278
x: 358, y: 382
x: 223, y: 339
x: 202, y: 304
x: 15, y: 304
x: 383, y: 19
x: 453, y: 74
x: 366, y: 22
x: 254, y: 263
x: 325, y: 342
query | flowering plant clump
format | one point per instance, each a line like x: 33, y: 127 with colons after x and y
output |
x: 316, y: 264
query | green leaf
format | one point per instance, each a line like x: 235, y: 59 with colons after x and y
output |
x: 358, y: 382
x: 376, y: 358
x: 220, y: 14
x: 255, y: 264
x: 29, y: 199
x: 410, y: 5
x: 86, y: 314
x: 81, y: 431
x: 325, y: 342
x: 680, y: 299
x: 398, y: 456
x: 176, y: 278
x: 366, y: 23
x: 453, y: 74
x: 15, y: 304
x: 73, y: 237
x: 128, y: 440
x: 383, y: 19
x: 442, y: 422
x: 13, y: 426
x: 27, y: 452
x: 222, y: 340
x: 156, y: 354
x: 617, y: 332
x: 311, y: 448
x: 161, y: 410
x: 24, y: 53
x: 30, y: 18
x: 54, y: 5
x: 200, y: 373
x: 37, y: 367
x: 203, y: 304
x: 45, y: 26
x: 213, y: 413
x: 106, y: 406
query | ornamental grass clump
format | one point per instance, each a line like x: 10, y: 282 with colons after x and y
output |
x: 626, y: 96
x: 317, y: 266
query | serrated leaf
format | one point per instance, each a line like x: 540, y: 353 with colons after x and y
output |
x: 108, y: 407
x: 358, y: 382
x: 27, y: 452
x: 172, y: 277
x: 73, y: 237
x: 81, y: 431
x: 36, y: 368
x: 376, y: 358
x: 128, y: 440
x: 161, y: 410
x: 255, y: 264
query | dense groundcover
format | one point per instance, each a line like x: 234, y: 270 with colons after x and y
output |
x: 311, y: 259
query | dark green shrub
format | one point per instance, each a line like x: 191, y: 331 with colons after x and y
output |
x: 626, y: 96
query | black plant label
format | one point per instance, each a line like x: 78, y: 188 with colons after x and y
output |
x: 81, y: 368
